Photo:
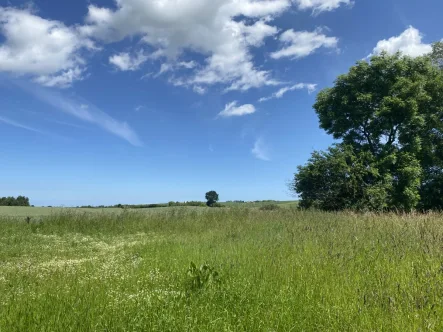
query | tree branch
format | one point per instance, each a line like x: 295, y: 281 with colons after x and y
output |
x: 368, y: 138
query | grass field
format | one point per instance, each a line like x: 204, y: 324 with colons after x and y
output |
x: 283, y: 204
x: 22, y: 211
x: 282, y: 270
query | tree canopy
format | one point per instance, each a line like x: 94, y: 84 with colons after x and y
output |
x: 12, y: 201
x: 437, y: 54
x: 388, y: 115
x: 211, y: 197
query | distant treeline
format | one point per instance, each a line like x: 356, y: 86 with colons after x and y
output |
x: 12, y: 201
x: 145, y: 206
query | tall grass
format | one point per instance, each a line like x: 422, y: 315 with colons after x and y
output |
x: 282, y: 270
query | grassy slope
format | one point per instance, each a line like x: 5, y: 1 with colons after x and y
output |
x: 280, y: 271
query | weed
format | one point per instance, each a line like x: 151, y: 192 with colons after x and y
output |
x: 202, y: 277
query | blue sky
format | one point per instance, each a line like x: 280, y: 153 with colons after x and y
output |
x: 142, y: 101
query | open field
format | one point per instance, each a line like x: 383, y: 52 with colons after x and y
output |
x: 23, y: 211
x: 281, y: 270
x: 283, y: 204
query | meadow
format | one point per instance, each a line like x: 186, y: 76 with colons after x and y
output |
x: 25, y: 211
x: 221, y: 270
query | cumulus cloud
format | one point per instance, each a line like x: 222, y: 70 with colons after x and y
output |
x: 223, y: 31
x: 45, y: 49
x: 280, y: 93
x: 319, y: 6
x: 232, y: 109
x: 260, y: 150
x: 409, y: 43
x: 299, y: 44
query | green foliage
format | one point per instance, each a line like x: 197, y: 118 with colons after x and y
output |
x: 341, y: 179
x: 12, y: 201
x: 211, y: 198
x: 388, y: 113
x: 437, y: 54
x: 202, y: 277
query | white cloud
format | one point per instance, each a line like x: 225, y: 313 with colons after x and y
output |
x: 139, y: 108
x: 299, y: 44
x: 125, y: 61
x: 63, y: 79
x: 90, y: 114
x: 168, y: 67
x: 187, y: 65
x: 19, y: 125
x: 409, y: 43
x: 299, y: 86
x: 210, y: 28
x: 232, y: 109
x: 260, y: 150
x: 45, y: 49
x: 319, y: 6
x: 198, y: 89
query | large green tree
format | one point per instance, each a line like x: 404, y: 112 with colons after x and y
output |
x: 388, y: 112
x: 341, y: 179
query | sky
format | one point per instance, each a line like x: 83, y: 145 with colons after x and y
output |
x: 145, y: 101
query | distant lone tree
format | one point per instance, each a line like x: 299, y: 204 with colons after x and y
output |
x: 211, y: 197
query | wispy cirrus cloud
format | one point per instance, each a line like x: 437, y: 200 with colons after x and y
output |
x: 68, y: 124
x: 82, y: 110
x: 260, y: 150
x: 280, y: 93
x: 16, y: 124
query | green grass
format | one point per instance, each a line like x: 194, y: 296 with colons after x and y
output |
x: 280, y: 270
x: 21, y: 211
x: 283, y: 204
